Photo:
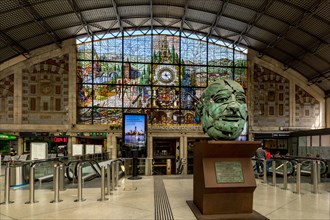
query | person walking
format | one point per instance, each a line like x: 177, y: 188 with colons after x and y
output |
x: 260, y: 156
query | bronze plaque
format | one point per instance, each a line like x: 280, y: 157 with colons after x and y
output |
x: 229, y: 172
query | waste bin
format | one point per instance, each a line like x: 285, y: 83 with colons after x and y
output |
x: 19, y: 174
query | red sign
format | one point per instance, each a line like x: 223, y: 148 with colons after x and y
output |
x: 60, y: 139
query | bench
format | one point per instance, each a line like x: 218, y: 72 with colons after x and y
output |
x: 48, y: 177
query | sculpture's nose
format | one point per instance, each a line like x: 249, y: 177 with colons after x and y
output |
x: 234, y: 107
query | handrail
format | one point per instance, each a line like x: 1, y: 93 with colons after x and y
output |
x: 302, y: 160
x: 92, y: 163
x: 324, y: 166
x: 281, y: 159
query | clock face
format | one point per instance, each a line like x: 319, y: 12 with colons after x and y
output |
x: 165, y: 75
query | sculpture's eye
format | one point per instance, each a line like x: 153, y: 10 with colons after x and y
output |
x: 219, y: 98
x: 240, y: 98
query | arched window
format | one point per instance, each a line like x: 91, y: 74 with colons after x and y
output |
x: 155, y: 72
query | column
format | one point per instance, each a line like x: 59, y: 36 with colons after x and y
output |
x: 327, y: 112
x: 71, y: 141
x: 150, y: 152
x: 185, y: 153
x: 20, y: 145
x: 112, y: 145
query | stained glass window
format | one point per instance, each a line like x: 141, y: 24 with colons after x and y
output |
x: 159, y: 72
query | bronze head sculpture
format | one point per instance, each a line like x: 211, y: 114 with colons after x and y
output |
x: 222, y: 109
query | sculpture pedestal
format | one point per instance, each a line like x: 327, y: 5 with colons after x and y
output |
x: 224, y: 180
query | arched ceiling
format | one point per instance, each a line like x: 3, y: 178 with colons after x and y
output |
x: 294, y: 32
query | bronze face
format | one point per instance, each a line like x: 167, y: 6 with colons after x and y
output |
x: 223, y: 109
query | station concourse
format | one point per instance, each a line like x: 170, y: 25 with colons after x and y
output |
x: 90, y: 84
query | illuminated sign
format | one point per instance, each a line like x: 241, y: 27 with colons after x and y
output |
x: 60, y: 139
x: 7, y: 137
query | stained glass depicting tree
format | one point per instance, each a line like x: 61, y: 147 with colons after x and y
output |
x: 166, y: 49
x: 241, y: 76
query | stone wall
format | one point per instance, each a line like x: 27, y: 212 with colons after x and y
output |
x: 7, y: 99
x: 45, y: 92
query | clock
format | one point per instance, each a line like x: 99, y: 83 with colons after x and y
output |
x: 165, y: 75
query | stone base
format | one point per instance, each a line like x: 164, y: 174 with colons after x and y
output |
x: 237, y: 216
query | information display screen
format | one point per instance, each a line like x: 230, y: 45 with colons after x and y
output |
x: 134, y: 134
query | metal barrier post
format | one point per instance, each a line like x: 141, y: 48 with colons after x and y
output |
x: 117, y: 174
x: 298, y: 176
x: 80, y: 181
x: 31, y: 186
x: 318, y: 171
x: 274, y: 172
x: 314, y: 176
x: 113, y: 187
x: 61, y: 177
x: 102, y: 185
x: 57, y: 184
x: 265, y: 171
x: 285, y: 175
x: 108, y: 179
x: 7, y: 186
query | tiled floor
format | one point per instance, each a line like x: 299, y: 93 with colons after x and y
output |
x: 134, y: 199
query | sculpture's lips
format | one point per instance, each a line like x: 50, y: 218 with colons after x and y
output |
x: 231, y: 118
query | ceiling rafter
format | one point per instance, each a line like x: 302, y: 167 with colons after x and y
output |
x: 143, y: 22
x: 29, y: 22
x: 294, y: 24
x: 160, y: 22
x: 78, y: 13
x: 14, y: 46
x: 264, y: 7
x: 295, y: 55
x: 285, y: 22
x: 98, y: 26
x: 128, y: 22
x: 270, y: 31
x: 40, y: 21
x: 319, y: 78
x: 183, y: 19
x: 117, y: 15
x: 217, y: 18
x: 151, y: 16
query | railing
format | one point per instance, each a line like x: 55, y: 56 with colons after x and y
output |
x: 109, y: 170
x: 295, y: 167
